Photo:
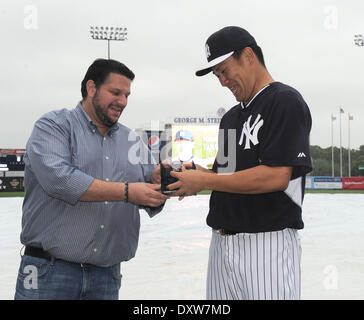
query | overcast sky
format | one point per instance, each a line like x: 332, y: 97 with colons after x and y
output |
x: 46, y: 49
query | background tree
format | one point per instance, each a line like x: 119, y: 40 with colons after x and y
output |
x: 321, y: 160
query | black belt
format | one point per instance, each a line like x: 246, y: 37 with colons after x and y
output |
x: 224, y: 232
x: 40, y: 253
x: 37, y: 252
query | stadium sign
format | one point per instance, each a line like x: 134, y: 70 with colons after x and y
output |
x: 196, y: 120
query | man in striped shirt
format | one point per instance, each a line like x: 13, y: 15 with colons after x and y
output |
x: 258, y: 177
x: 86, y: 177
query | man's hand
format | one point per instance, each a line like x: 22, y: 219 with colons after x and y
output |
x: 146, y: 194
x: 189, y: 182
x: 197, y: 166
x: 156, y: 175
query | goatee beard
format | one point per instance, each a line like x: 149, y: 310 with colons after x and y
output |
x: 101, y: 114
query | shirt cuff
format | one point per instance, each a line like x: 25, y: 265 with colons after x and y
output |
x: 77, y: 187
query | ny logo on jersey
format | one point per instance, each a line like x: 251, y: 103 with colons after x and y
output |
x: 250, y: 132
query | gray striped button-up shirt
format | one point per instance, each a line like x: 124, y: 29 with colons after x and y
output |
x: 64, y: 154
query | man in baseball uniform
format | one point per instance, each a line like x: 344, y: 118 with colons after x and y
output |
x: 184, y: 143
x: 258, y: 177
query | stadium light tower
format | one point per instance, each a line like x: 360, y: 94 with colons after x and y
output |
x: 109, y: 34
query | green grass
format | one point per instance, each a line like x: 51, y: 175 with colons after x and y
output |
x: 334, y: 191
x: 11, y: 194
x: 204, y: 192
x: 309, y: 191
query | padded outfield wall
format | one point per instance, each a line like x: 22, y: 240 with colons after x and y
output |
x: 335, y: 183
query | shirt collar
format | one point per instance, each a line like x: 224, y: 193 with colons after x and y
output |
x: 244, y: 106
x: 92, y: 126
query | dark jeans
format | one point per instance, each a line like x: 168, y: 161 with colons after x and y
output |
x: 41, y: 279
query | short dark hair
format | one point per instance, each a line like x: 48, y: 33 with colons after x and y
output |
x: 256, y: 49
x: 99, y: 71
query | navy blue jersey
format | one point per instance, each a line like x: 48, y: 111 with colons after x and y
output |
x: 273, y: 130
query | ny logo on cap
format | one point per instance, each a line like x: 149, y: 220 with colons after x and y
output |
x: 208, y: 54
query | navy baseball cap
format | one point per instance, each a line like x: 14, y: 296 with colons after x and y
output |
x: 183, y: 135
x: 222, y: 44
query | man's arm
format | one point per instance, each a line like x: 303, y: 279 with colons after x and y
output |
x: 49, y: 157
x: 260, y: 179
x: 49, y: 153
x: 139, y: 193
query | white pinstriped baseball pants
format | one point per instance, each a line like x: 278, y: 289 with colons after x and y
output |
x: 255, y: 266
